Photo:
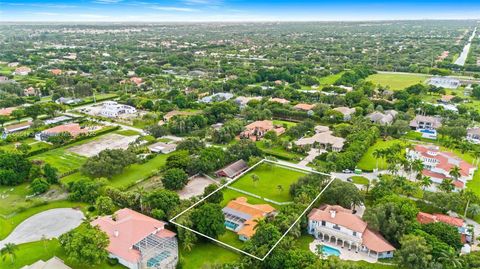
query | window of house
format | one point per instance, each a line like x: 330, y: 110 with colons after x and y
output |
x: 323, y: 223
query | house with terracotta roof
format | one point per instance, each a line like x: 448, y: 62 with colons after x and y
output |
x: 74, y: 129
x: 346, y: 112
x: 257, y: 130
x: 438, y: 164
x: 241, y: 216
x: 323, y: 139
x: 279, y: 100
x: 56, y: 71
x: 339, y: 226
x: 425, y: 218
x: 22, y: 71
x: 139, y: 241
x: 304, y: 107
x: 7, y: 111
x: 30, y: 91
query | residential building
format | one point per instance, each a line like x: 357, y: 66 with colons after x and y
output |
x: 241, y: 216
x: 161, y: 147
x: 425, y: 218
x: 74, y: 129
x: 346, y: 111
x: 339, y: 226
x: 427, y: 125
x: 56, y: 71
x: 279, y: 100
x: 232, y: 170
x: 385, y: 118
x: 113, y: 109
x: 438, y: 164
x: 139, y: 241
x: 304, y: 107
x: 446, y: 98
x: 135, y: 80
x: 323, y: 139
x: 53, y: 263
x: 7, y: 111
x: 444, y: 82
x: 242, y: 101
x: 256, y: 130
x: 22, y: 71
x: 68, y: 101
x: 58, y: 119
x: 4, y: 79
x: 473, y: 135
x: 30, y: 91
x: 217, y: 97
x: 12, y: 128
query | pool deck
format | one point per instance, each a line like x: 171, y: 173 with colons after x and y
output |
x: 345, y: 254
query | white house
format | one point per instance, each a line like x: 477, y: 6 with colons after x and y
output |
x: 444, y: 82
x: 339, y: 226
x: 113, y: 109
x: 473, y: 135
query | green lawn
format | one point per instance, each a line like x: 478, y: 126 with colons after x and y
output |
x: 229, y: 194
x: 206, y: 255
x: 131, y: 174
x: 329, y: 80
x: 397, y: 81
x: 284, y: 122
x: 279, y: 152
x: 34, y: 145
x: 360, y: 180
x: 10, y: 223
x: 231, y: 238
x: 13, y: 198
x: 368, y: 162
x: 31, y: 252
x: 62, y: 159
x: 270, y: 177
x: 127, y: 132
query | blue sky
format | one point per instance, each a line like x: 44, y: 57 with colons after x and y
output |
x: 234, y: 10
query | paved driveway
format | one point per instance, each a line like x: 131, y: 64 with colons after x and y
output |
x: 51, y: 224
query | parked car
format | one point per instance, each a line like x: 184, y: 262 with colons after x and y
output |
x: 347, y: 171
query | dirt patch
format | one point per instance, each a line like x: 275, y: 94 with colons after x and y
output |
x: 195, y: 187
x: 110, y: 141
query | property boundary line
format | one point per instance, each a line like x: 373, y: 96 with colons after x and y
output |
x: 172, y: 220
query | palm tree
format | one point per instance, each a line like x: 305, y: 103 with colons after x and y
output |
x: 450, y: 259
x: 474, y: 210
x: 468, y: 195
x: 455, y: 173
x: 417, y: 166
x: 378, y: 154
x: 255, y: 179
x: 447, y: 185
x: 9, y: 251
x: 425, y: 182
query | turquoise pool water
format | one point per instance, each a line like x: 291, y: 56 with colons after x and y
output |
x: 329, y: 251
x: 230, y: 225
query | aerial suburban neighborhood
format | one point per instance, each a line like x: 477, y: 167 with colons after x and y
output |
x: 207, y: 134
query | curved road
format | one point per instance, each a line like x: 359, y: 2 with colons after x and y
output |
x: 49, y: 224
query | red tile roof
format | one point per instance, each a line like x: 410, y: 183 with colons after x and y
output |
x: 446, y: 160
x: 425, y: 218
x: 128, y: 228
x: 6, y: 111
x: 374, y: 241
x: 305, y: 107
x: 73, y: 128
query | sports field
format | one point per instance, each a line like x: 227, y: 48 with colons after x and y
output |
x: 397, y: 81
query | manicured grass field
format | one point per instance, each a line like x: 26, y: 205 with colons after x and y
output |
x: 31, y: 252
x: 360, y: 180
x: 278, y: 151
x: 368, y: 162
x: 206, y: 255
x: 329, y: 80
x: 397, y: 81
x: 270, y: 177
x: 34, y: 144
x: 231, y: 238
x: 61, y: 159
x: 9, y: 224
x: 229, y: 194
x: 131, y: 174
x: 284, y: 122
x: 127, y: 132
x: 12, y: 198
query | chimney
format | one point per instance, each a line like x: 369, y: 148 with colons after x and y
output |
x: 116, y: 233
x: 333, y: 213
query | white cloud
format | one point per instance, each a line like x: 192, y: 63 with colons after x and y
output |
x: 46, y: 13
x: 107, y: 1
x: 179, y: 9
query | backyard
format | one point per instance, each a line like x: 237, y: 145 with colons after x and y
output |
x: 206, y: 255
x: 368, y: 162
x: 273, y: 181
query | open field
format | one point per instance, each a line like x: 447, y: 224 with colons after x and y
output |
x: 329, y: 80
x: 131, y: 174
x: 109, y: 141
x: 270, y: 178
x: 397, y: 81
x: 34, y: 145
x: 62, y: 159
x: 206, y: 255
x: 13, y: 197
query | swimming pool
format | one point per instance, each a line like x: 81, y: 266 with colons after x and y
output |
x: 230, y: 225
x: 155, y: 261
x: 329, y: 251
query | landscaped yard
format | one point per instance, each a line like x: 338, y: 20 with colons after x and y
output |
x: 329, y: 80
x: 44, y: 250
x: 278, y: 151
x: 34, y: 145
x: 205, y: 255
x: 8, y: 224
x: 397, y: 81
x: 270, y: 177
x: 368, y: 162
x: 360, y: 180
x: 13, y: 197
x: 61, y: 159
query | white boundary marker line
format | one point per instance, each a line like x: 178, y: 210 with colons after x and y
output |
x: 233, y: 180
